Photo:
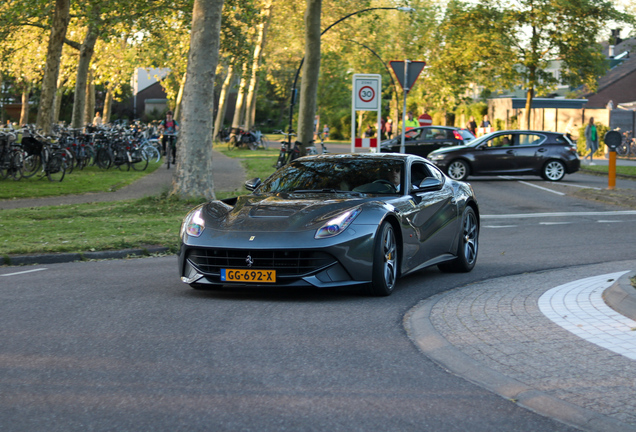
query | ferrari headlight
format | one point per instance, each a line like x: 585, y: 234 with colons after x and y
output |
x: 337, y: 225
x: 193, y: 224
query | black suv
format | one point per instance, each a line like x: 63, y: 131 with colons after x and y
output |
x: 518, y: 152
x: 423, y: 140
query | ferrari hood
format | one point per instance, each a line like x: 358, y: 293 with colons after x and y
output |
x: 281, y: 212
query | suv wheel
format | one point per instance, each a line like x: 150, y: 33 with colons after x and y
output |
x: 553, y: 170
x: 458, y: 170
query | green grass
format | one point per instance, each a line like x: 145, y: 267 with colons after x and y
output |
x: 151, y: 221
x: 90, y: 179
x: 604, y: 169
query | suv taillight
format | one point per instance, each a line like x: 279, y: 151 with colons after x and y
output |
x: 458, y: 135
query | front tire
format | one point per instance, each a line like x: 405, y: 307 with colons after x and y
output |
x: 467, y: 247
x: 138, y: 161
x: 56, y: 168
x: 458, y: 170
x: 553, y: 170
x: 385, y: 262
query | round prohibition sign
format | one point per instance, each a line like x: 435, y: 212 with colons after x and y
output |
x: 367, y: 94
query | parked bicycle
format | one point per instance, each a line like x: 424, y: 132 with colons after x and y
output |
x: 627, y: 146
x: 287, y: 153
x: 242, y: 138
x: 42, y: 154
x: 11, y: 157
x: 322, y: 137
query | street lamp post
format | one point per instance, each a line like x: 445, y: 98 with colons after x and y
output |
x: 293, y: 93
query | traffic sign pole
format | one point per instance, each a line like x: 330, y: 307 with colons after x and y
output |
x: 366, y: 96
x: 406, y: 73
x: 406, y: 92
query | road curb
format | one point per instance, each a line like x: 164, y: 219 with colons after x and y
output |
x: 621, y: 296
x: 57, y: 258
x: 431, y: 343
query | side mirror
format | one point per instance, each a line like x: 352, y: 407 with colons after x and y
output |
x: 253, y: 184
x: 428, y: 184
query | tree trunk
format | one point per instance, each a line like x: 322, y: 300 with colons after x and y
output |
x: 89, y: 110
x: 57, y: 107
x: 24, y: 113
x: 57, y: 101
x: 529, y: 97
x: 193, y: 173
x: 177, y: 108
x: 311, y: 70
x: 258, y: 50
x: 108, y: 104
x: 59, y: 25
x: 223, y: 98
x: 86, y: 53
x: 239, y: 109
x: 250, y: 112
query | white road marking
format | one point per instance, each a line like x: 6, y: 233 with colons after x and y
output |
x: 580, y: 186
x: 558, y: 214
x: 579, y: 308
x: 500, y: 226
x: 542, y: 188
x: 23, y: 272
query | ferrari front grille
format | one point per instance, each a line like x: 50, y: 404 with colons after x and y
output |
x: 290, y: 263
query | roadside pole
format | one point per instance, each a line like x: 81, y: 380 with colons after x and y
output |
x: 406, y: 73
x: 366, y: 96
x: 611, y: 181
x: 406, y: 92
x: 612, y: 141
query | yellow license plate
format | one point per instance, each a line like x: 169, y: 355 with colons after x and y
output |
x: 256, y: 276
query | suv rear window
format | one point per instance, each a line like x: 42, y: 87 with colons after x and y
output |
x: 466, y: 134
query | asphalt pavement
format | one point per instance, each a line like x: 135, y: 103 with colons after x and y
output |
x: 561, y: 343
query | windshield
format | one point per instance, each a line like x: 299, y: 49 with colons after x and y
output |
x: 332, y: 175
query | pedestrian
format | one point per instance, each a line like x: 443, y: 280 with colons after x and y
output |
x: 97, y: 120
x: 472, y: 125
x: 485, y: 123
x: 382, y: 127
x: 411, y: 123
x: 369, y: 132
x: 169, y: 127
x: 591, y: 139
x: 325, y: 132
x: 388, y: 128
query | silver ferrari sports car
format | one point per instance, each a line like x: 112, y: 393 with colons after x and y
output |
x: 332, y: 221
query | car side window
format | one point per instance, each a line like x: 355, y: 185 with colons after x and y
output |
x: 530, y: 139
x: 505, y: 140
x: 436, y: 133
x: 435, y: 173
x: 413, y: 134
x: 419, y: 172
